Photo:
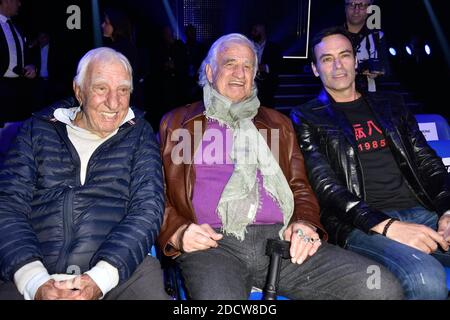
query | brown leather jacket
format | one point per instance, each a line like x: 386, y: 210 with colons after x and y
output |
x: 179, y: 178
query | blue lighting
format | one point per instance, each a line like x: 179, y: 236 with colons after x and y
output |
x: 427, y: 49
x: 393, y: 52
x: 408, y: 50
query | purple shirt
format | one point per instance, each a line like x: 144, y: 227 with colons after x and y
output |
x: 213, y: 168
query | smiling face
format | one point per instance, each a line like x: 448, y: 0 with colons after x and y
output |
x: 105, y: 97
x: 335, y: 66
x: 235, y: 72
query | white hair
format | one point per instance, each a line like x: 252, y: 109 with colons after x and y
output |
x: 219, y: 45
x: 101, y: 54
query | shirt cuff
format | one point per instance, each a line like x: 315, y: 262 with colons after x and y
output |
x: 29, y: 278
x: 105, y: 276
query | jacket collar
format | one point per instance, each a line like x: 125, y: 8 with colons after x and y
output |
x: 337, y: 117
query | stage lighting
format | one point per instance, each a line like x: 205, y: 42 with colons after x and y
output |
x: 393, y: 52
x: 408, y: 50
x: 427, y: 49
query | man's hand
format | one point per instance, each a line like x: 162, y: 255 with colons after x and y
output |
x: 444, y: 226
x: 30, y: 71
x: 414, y: 235
x: 83, y: 286
x: 302, y: 246
x: 48, y: 291
x: 197, y: 237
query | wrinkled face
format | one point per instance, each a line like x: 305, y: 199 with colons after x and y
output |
x: 335, y: 63
x: 107, y: 28
x: 105, y: 97
x: 10, y: 8
x: 235, y: 72
x: 356, y: 11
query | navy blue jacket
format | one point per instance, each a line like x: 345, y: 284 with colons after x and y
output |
x: 46, y: 214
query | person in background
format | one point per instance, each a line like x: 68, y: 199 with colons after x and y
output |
x: 370, y: 44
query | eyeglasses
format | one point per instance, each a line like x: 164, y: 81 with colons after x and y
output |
x: 359, y: 5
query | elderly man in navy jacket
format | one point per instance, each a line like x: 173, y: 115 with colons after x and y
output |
x: 81, y: 195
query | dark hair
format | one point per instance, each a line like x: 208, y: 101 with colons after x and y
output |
x: 121, y: 24
x: 318, y: 37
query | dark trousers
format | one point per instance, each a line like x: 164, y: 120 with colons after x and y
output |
x: 146, y: 283
x: 234, y: 267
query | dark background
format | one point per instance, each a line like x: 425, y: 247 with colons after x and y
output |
x: 403, y: 21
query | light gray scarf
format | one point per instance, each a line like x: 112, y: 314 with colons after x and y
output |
x: 240, y: 200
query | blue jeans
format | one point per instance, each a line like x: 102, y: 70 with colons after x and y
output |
x: 421, y: 275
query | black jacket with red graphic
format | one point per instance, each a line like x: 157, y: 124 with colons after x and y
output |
x: 330, y: 150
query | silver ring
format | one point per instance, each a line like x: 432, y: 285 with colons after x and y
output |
x: 300, y: 233
x: 306, y: 239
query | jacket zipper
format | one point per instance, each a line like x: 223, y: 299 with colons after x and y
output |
x: 363, y: 184
x: 68, y: 230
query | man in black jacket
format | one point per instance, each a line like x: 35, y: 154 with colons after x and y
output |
x: 383, y: 191
x: 81, y: 195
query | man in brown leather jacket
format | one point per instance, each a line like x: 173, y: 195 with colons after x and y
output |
x: 234, y: 178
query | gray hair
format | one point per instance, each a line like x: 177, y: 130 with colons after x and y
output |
x: 219, y: 45
x: 104, y: 54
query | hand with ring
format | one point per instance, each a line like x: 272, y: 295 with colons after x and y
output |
x: 304, y: 241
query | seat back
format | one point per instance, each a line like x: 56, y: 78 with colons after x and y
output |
x: 433, y: 126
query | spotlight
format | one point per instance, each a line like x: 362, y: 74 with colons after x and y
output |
x: 393, y: 52
x: 408, y: 50
x: 427, y: 49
